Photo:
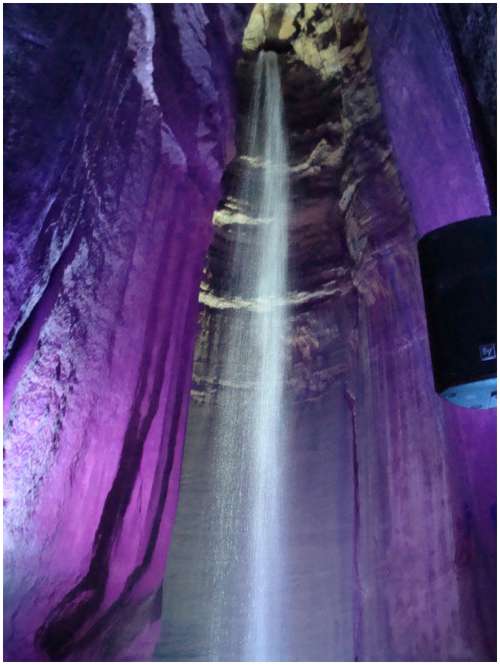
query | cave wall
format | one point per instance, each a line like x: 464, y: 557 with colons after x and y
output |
x: 435, y: 67
x: 119, y: 121
x: 391, y: 490
x: 473, y: 37
x: 119, y: 127
x: 424, y: 97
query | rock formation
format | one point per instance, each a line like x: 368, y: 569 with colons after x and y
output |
x: 119, y: 145
x: 437, y: 157
x: 119, y: 124
x: 387, y: 509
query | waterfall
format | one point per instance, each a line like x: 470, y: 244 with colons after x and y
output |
x: 271, y: 203
x: 248, y: 428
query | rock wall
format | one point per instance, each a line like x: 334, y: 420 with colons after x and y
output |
x: 391, y: 491
x: 446, y: 55
x: 424, y: 98
x: 119, y: 122
x: 473, y: 37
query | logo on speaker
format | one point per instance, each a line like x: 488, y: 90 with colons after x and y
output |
x: 487, y: 351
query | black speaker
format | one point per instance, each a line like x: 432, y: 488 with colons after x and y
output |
x: 458, y: 267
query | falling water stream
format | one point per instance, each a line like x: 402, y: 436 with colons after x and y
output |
x: 250, y: 481
x: 227, y: 564
x: 271, y: 202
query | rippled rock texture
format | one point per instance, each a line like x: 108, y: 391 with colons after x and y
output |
x: 119, y: 122
x: 391, y: 490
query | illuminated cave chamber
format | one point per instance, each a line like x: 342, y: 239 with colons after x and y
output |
x: 124, y: 145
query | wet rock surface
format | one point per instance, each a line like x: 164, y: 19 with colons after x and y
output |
x: 120, y: 121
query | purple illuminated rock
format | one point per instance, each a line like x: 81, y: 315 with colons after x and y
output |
x: 119, y: 125
x: 442, y: 144
x: 427, y: 114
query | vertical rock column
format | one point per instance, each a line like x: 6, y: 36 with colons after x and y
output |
x: 436, y: 75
